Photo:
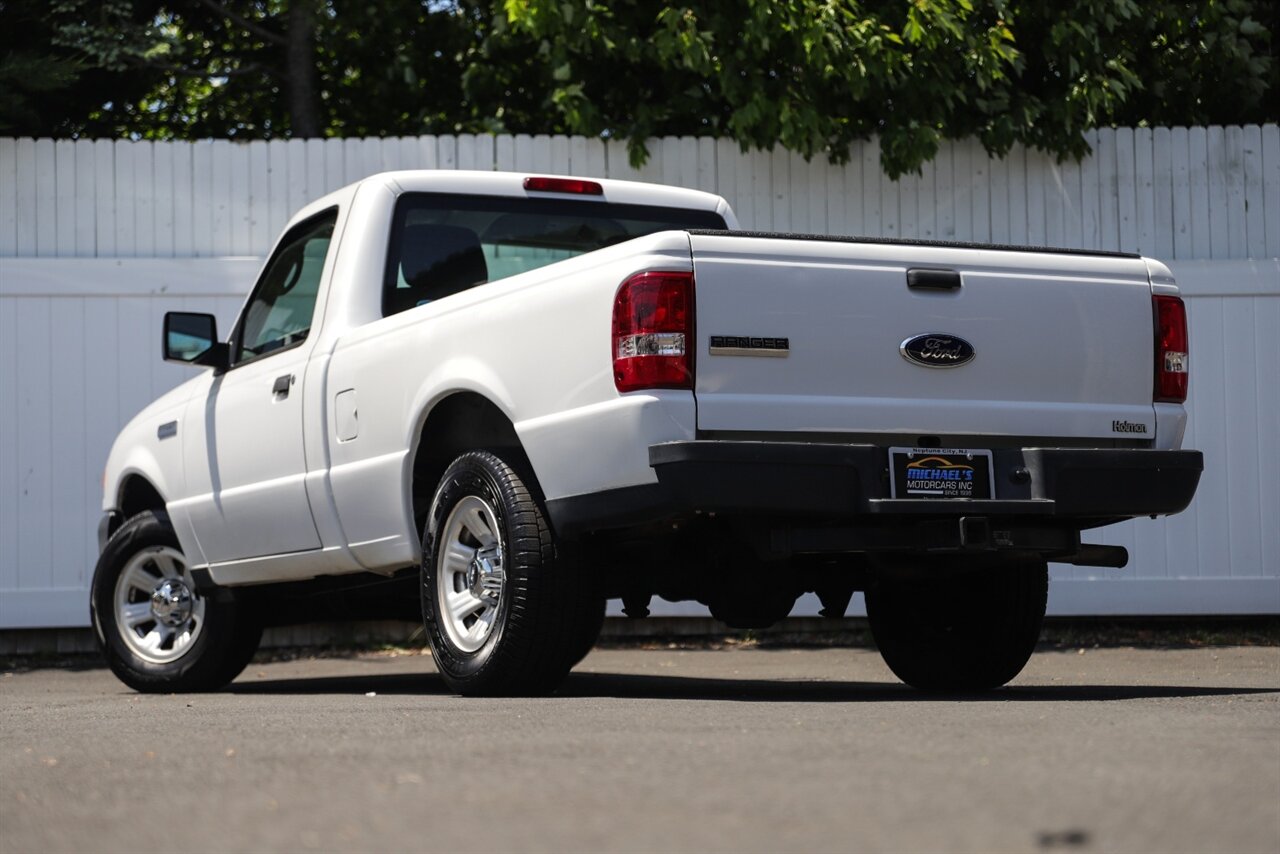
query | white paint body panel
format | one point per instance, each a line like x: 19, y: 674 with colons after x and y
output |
x: 536, y: 345
x: 1063, y: 342
x: 246, y: 494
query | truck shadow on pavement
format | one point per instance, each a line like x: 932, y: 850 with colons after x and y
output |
x: 639, y: 686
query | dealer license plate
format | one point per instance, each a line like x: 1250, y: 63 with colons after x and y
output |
x: 939, y: 473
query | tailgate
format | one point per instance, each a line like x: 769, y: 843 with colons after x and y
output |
x: 1061, y: 343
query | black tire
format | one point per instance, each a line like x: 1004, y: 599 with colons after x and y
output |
x: 222, y: 648
x: 547, y: 609
x: 961, y: 632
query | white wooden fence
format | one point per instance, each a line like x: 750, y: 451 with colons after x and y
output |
x: 99, y: 238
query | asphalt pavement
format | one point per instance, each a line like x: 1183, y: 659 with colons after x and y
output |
x: 1126, y: 750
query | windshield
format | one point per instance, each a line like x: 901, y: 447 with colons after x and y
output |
x: 444, y: 243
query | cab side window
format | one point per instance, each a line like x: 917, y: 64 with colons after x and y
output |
x: 280, y: 313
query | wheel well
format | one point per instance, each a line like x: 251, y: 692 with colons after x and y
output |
x: 137, y: 494
x: 461, y: 422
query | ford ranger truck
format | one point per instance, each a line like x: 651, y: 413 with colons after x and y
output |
x: 501, y: 400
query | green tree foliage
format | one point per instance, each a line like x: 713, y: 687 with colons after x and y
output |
x: 811, y: 75
x: 244, y: 69
x: 47, y: 88
x: 816, y: 75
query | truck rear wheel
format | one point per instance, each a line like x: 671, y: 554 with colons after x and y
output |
x: 158, y: 633
x: 969, y: 632
x: 505, y: 611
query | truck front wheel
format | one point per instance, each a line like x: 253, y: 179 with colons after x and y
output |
x: 505, y: 611
x: 963, y: 632
x: 156, y: 630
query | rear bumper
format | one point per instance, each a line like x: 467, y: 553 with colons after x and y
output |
x: 841, y: 484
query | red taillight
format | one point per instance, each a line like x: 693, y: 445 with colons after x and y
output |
x: 653, y: 332
x: 564, y: 185
x: 1172, y: 360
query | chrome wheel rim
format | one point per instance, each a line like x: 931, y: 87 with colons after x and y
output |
x: 159, y: 614
x: 470, y: 573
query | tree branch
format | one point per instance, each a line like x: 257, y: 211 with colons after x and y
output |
x: 257, y: 29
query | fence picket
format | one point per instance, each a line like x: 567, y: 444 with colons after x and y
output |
x: 595, y: 165
x: 1162, y: 173
x: 183, y: 202
x: 259, y: 201
x: 485, y: 142
x: 726, y: 183
x: 953, y: 192
x: 162, y: 190
x: 505, y: 159
x: 104, y: 198
x: 962, y: 189
x: 706, y: 175
x: 1038, y: 180
x: 1072, y: 214
x: 541, y: 159
x: 979, y: 193
x: 335, y: 162
x: 670, y: 157
x: 851, y: 173
x: 9, y: 196
x: 890, y: 210
x: 1108, y: 190
x: 46, y: 188
x: 1144, y: 190
x: 1219, y: 196
x: 1237, y: 231
x: 1270, y: 208
x: 64, y: 234
x: 559, y: 157
x: 126, y: 190
x: 447, y: 148
x: 871, y: 185
x: 144, y: 208
x: 1198, y: 163
x: 908, y: 205
x: 1254, y: 208
x: 1126, y: 189
x: 239, y: 213
x: 759, y: 167
x: 219, y: 234
x: 1180, y: 188
x: 926, y: 204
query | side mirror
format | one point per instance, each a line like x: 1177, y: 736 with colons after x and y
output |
x: 192, y: 339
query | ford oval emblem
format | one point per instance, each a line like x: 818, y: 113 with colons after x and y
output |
x: 937, y: 350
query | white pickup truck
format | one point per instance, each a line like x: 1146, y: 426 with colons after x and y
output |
x: 504, y: 399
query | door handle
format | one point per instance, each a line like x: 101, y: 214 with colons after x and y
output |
x: 281, y: 386
x: 923, y: 278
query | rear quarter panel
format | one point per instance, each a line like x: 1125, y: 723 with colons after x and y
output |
x: 538, y: 346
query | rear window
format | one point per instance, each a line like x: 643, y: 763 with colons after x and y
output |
x: 444, y: 243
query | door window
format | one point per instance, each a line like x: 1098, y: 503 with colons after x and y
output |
x: 280, y: 312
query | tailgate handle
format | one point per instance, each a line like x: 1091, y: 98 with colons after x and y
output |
x: 933, y: 279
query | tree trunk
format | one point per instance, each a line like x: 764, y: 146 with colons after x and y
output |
x: 300, y: 63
